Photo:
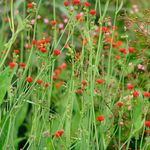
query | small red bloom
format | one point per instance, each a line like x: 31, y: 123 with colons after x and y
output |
x: 29, y: 79
x: 131, y: 50
x: 29, y: 5
x: 59, y: 133
x: 16, y: 51
x: 12, y: 65
x: 99, y: 81
x: 122, y: 50
x: 83, y: 82
x: 130, y: 87
x: 46, y: 85
x: 66, y: 3
x: 55, y: 77
x: 39, y: 81
x: 135, y: 94
x: 33, y: 42
x: 146, y: 94
x: 22, y: 65
x: 100, y: 118
x: 56, y: 52
x: 76, y: 2
x: 86, y: 4
x: 53, y: 22
x: 147, y: 123
x: 92, y: 12
x: 79, y: 91
x: 120, y: 104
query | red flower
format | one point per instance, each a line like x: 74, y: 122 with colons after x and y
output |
x: 16, y: 51
x: 33, y: 42
x: 130, y: 87
x: 76, y: 2
x: 79, y: 91
x: 39, y: 81
x: 29, y: 79
x: 83, y: 82
x: 22, y: 65
x: 99, y: 81
x: 53, y: 22
x: 135, y: 94
x: 122, y: 50
x: 146, y: 94
x: 131, y: 50
x: 29, y: 5
x: 56, y: 52
x: 100, y: 118
x: 55, y: 77
x: 120, y: 104
x: 59, y: 133
x: 92, y: 12
x: 12, y: 65
x: 46, y: 84
x: 66, y: 3
x: 147, y: 123
x: 86, y: 4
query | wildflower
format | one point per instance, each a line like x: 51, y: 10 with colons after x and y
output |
x: 99, y: 81
x: 141, y: 67
x: 76, y: 2
x: 55, y: 77
x: 33, y: 41
x: 79, y: 91
x: 30, y: 5
x: 130, y: 87
x: 83, y: 82
x: 16, y: 51
x: 147, y: 123
x: 146, y: 94
x: 39, y: 81
x: 131, y: 50
x: 46, y: 20
x: 59, y: 133
x: 53, y: 22
x: 56, y: 52
x: 29, y: 79
x: 22, y: 65
x: 135, y: 94
x: 122, y: 50
x: 46, y: 85
x: 100, y: 118
x: 66, y: 3
x: 120, y: 104
x: 12, y: 65
x: 86, y: 4
x: 92, y: 12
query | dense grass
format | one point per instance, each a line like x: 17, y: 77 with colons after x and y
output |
x: 74, y: 76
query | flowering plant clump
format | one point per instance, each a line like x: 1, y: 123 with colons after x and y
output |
x: 74, y: 75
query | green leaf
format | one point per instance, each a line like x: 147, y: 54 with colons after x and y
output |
x: 5, y: 81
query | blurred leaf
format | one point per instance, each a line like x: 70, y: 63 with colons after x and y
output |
x: 5, y: 81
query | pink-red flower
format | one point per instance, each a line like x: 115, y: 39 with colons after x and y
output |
x: 29, y: 5
x: 92, y: 12
x: 147, y: 123
x: 29, y: 79
x: 76, y: 2
x: 56, y: 52
x: 131, y: 50
x: 100, y: 118
x: 135, y: 94
x: 66, y: 3
x: 52, y: 22
x: 119, y: 104
x: 12, y: 65
x: 86, y: 4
